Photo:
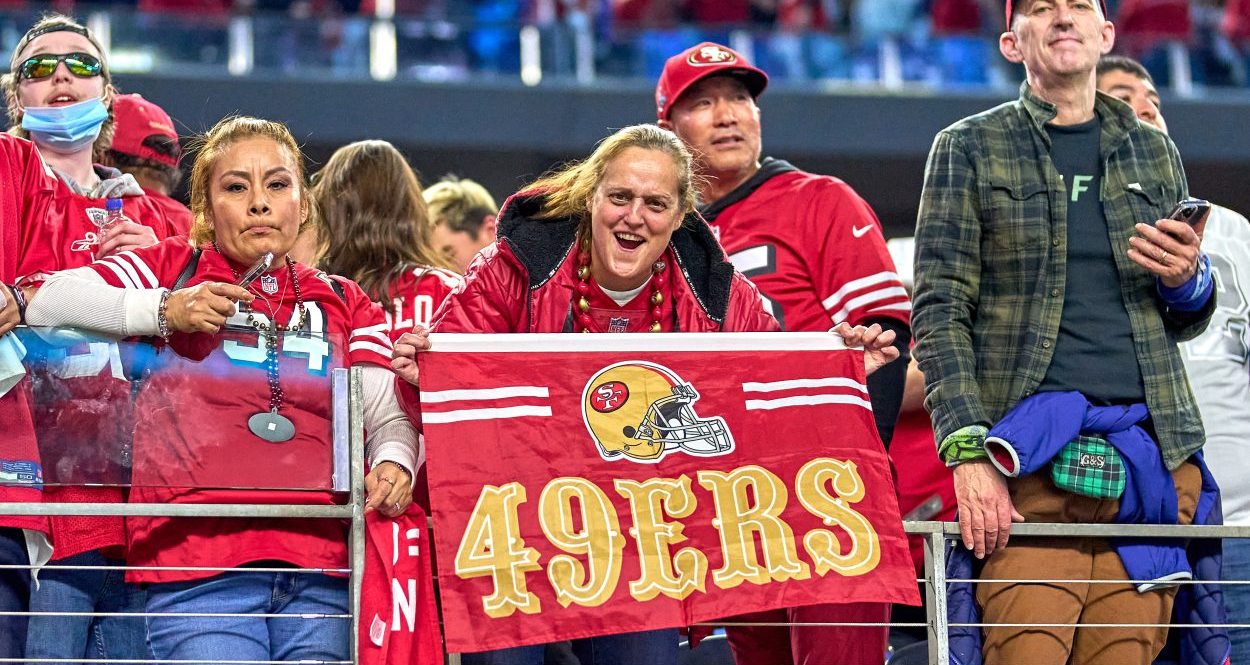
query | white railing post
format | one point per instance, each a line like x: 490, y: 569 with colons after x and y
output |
x: 935, y: 596
x: 241, y: 46
x: 531, y: 55
x: 1179, y: 72
x: 356, y: 551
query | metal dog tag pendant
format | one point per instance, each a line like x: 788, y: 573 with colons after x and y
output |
x: 271, y: 426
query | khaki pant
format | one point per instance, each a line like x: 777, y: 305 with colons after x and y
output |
x: 1036, y: 497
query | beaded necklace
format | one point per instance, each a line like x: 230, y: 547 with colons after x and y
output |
x: 582, y: 307
x: 271, y: 425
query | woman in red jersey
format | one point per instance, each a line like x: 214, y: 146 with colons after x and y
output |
x: 376, y: 231
x: 240, y: 401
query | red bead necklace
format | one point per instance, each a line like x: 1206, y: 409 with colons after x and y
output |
x: 659, y: 280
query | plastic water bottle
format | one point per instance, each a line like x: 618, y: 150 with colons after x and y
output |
x: 112, y: 215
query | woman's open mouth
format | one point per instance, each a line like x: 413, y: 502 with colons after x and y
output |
x: 628, y: 241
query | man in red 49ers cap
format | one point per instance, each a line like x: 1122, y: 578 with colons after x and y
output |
x: 815, y: 250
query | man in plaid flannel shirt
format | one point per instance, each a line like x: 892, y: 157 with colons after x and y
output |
x: 1042, y: 264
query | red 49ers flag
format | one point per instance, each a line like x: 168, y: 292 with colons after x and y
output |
x: 592, y: 484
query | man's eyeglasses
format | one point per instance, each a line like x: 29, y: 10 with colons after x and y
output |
x: 82, y: 65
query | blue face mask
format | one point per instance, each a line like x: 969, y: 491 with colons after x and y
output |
x: 65, y: 129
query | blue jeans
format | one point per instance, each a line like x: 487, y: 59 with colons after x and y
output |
x: 14, y: 592
x: 214, y: 639
x: 1237, y: 596
x: 653, y: 647
x: 103, y: 637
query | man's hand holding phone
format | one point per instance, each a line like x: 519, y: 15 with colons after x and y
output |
x: 1193, y: 212
x: 1170, y: 247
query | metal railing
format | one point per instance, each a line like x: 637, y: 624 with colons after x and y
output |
x: 936, y: 536
x: 348, y: 400
x: 347, y: 396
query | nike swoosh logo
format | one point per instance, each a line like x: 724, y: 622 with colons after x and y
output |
x: 859, y: 231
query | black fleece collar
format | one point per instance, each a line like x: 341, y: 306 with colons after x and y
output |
x: 542, y: 246
x: 769, y: 168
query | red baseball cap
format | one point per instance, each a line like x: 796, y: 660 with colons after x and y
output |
x: 136, y: 120
x: 697, y: 63
x: 1009, y: 10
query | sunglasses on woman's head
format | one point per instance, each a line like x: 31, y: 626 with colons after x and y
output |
x: 82, y: 65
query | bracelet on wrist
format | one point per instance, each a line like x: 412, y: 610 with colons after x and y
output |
x: 20, y: 298
x: 399, y: 466
x: 162, y: 323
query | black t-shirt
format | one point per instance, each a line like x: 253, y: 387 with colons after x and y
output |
x: 1094, y: 351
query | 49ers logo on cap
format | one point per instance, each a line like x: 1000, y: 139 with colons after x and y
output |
x: 711, y: 55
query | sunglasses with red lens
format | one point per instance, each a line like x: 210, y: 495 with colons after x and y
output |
x: 82, y: 65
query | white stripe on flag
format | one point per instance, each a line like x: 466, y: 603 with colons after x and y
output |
x: 440, y: 396
x: 437, y: 418
x: 829, y: 382
x: 806, y: 400
x: 631, y: 343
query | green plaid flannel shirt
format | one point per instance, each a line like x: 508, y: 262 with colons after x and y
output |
x: 991, y: 264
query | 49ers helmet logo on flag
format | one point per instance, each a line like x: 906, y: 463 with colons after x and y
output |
x: 641, y: 411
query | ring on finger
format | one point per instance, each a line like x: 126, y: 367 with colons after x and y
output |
x: 386, y: 480
x: 1163, y: 256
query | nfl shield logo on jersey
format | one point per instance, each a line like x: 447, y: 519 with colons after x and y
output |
x: 269, y: 284
x: 618, y: 324
x: 640, y: 412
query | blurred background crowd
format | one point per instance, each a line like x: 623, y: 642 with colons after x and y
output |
x: 939, y: 43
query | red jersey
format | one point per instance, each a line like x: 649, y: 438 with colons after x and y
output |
x: 64, y: 233
x: 398, y: 614
x: 812, y: 246
x: 21, y: 473
x: 416, y: 294
x: 78, y: 428
x: 192, y: 443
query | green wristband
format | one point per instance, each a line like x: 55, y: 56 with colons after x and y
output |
x: 964, y: 445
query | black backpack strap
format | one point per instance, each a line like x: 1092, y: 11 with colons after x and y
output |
x: 189, y: 271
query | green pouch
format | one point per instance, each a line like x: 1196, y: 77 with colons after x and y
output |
x: 1089, y: 466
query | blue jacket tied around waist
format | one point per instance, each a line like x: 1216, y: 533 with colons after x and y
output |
x: 1030, y: 436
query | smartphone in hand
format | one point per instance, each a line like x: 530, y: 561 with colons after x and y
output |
x: 1191, y: 211
x: 262, y: 264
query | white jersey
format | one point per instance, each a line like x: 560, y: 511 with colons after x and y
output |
x: 1218, y: 363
